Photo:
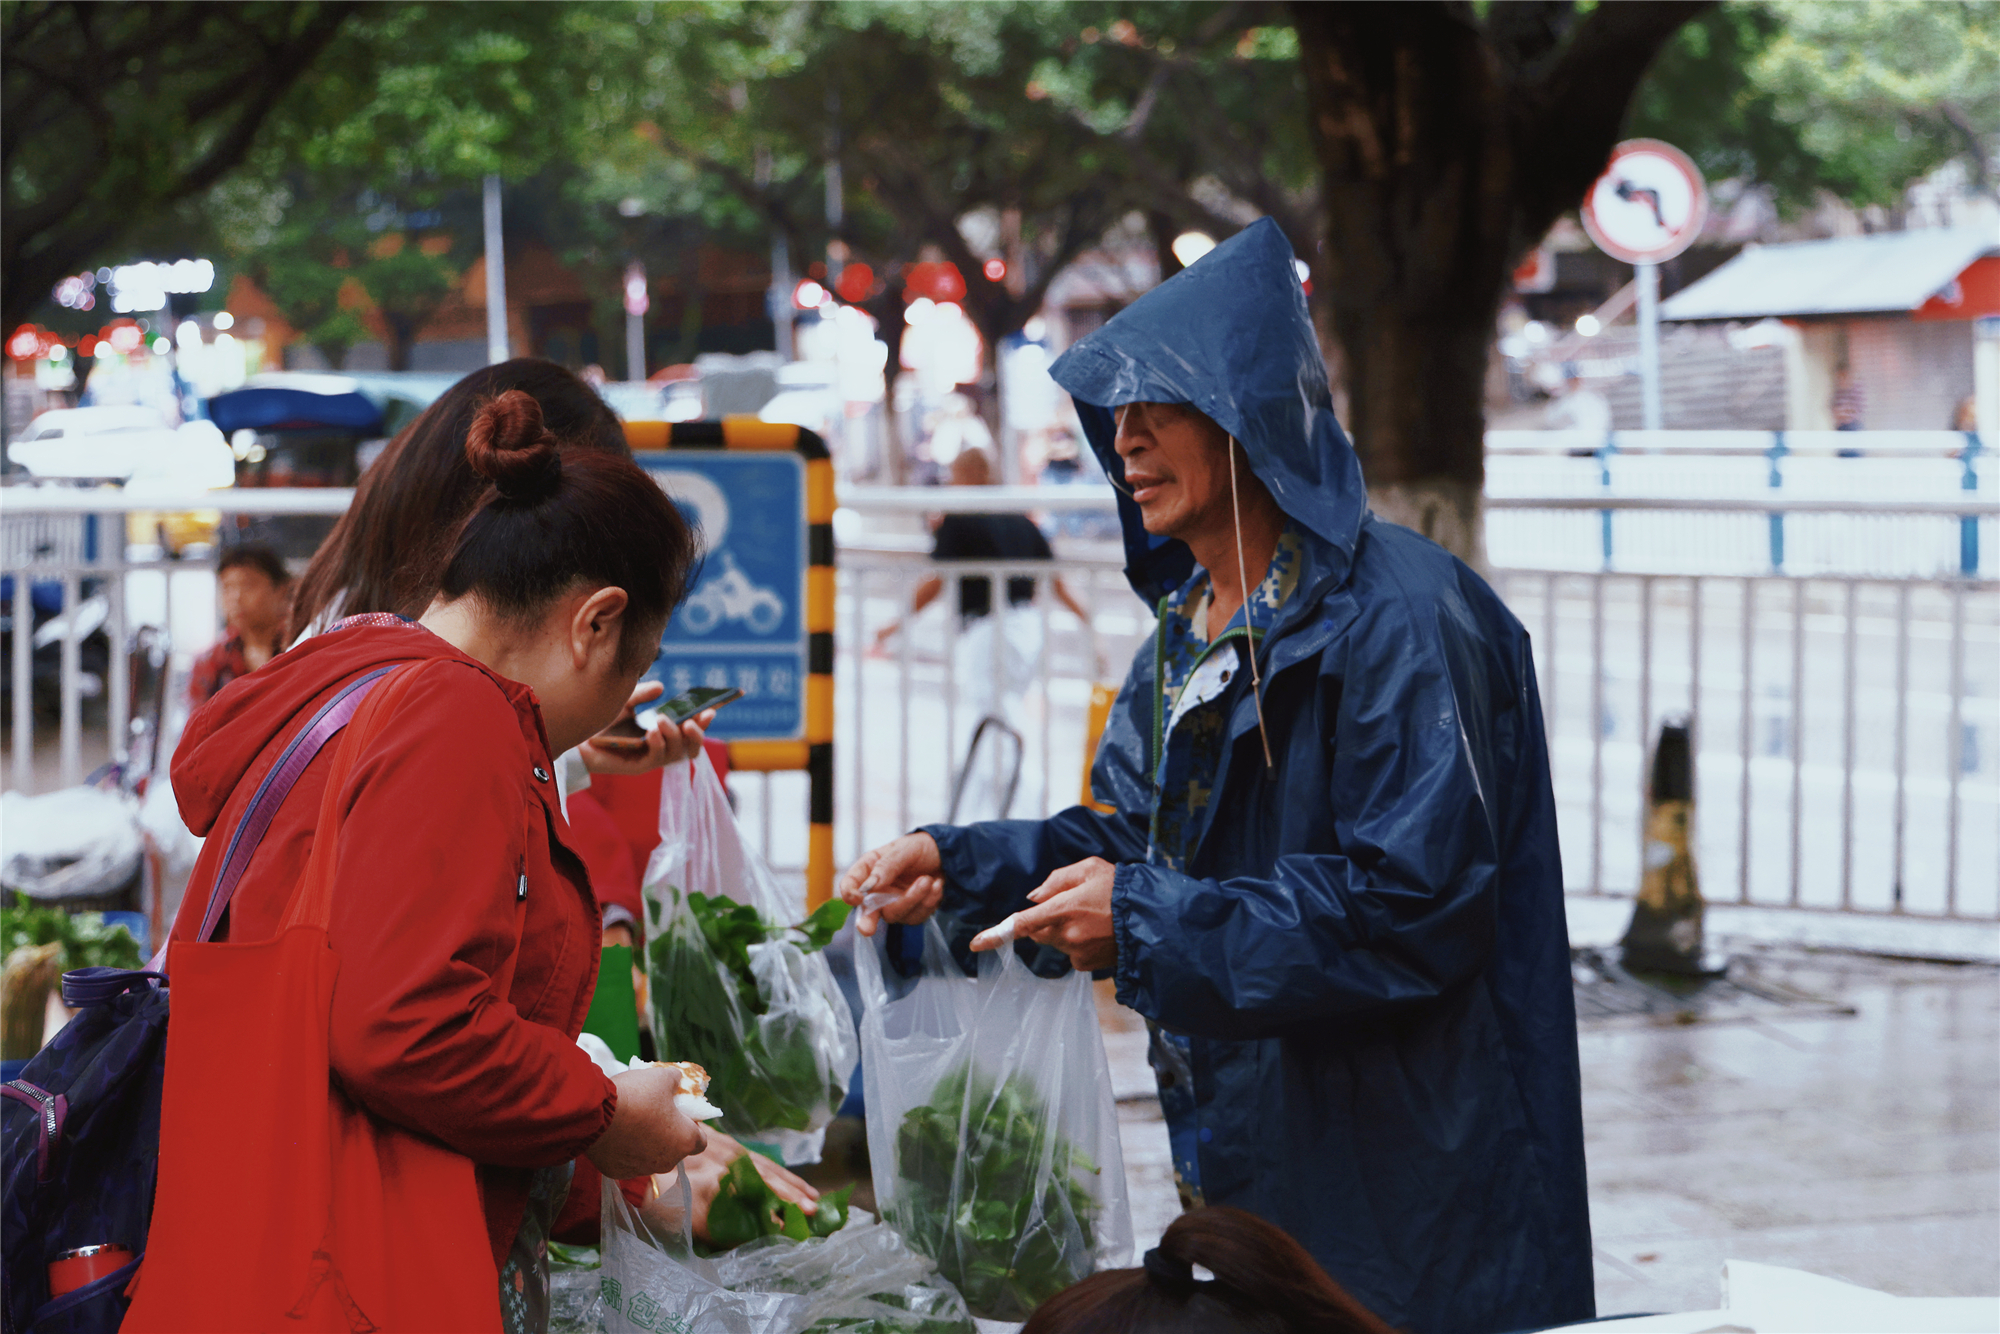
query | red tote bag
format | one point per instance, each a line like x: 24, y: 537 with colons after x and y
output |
x: 281, y: 1204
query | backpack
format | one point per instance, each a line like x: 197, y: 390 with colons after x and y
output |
x: 80, y: 1127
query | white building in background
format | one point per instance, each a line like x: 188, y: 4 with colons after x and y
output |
x: 1913, y: 317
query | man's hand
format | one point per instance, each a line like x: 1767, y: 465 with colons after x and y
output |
x: 705, y: 1170
x: 665, y: 744
x: 1072, y: 912
x: 647, y: 1134
x: 908, y: 866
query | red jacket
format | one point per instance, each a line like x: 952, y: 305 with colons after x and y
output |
x: 466, y: 928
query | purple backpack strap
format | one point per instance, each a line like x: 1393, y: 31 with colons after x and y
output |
x: 271, y: 794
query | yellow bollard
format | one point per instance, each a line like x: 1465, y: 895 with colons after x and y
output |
x: 1665, y: 934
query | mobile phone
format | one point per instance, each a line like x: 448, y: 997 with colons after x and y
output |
x: 630, y: 733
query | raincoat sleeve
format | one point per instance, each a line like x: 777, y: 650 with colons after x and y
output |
x: 990, y: 867
x: 1407, y: 906
x: 427, y: 929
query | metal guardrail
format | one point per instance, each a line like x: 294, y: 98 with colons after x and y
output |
x: 1845, y: 734
x: 1846, y: 723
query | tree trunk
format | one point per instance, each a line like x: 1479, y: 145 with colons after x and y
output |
x: 1448, y: 146
x: 402, y: 339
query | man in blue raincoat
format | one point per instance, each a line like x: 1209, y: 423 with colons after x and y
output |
x: 1331, y: 881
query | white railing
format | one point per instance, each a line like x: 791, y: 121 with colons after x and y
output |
x: 1846, y: 708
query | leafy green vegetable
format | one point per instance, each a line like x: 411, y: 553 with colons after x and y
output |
x: 87, y: 942
x: 745, y: 1208
x: 991, y: 1191
x: 932, y: 1310
x: 767, y: 1070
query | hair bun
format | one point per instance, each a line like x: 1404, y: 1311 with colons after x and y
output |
x: 509, y: 445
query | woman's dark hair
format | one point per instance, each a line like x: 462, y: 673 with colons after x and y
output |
x: 1265, y: 1283
x: 423, y: 486
x: 257, y: 556
x: 552, y: 518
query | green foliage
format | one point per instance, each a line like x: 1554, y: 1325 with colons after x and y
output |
x: 991, y: 1191
x: 1857, y: 99
x: 87, y: 942
x: 767, y: 1070
x: 745, y: 1208
x: 1883, y: 92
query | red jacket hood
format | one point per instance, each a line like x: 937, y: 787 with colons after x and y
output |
x: 227, y: 735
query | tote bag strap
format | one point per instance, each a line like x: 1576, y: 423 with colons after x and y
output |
x: 312, y: 900
x: 332, y: 717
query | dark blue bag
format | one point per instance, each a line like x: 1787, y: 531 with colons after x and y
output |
x: 80, y: 1127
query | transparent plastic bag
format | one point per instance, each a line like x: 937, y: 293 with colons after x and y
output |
x: 860, y: 1280
x: 991, y: 1125
x: 737, y: 976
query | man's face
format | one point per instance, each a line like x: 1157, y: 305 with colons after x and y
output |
x: 1176, y: 466
x: 250, y: 602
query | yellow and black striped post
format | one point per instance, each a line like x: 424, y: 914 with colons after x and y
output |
x: 812, y: 752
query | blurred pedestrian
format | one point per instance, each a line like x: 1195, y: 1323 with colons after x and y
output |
x: 463, y: 923
x: 983, y: 692
x: 1329, y: 878
x: 253, y: 593
x: 1850, y: 401
x: 1580, y: 408
x: 1216, y: 1271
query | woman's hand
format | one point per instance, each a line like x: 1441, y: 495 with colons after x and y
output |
x: 908, y: 866
x: 665, y: 744
x: 647, y: 1134
x: 705, y: 1171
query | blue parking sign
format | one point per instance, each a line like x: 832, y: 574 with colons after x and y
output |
x: 743, y: 625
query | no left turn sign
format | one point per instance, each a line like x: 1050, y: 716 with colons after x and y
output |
x: 1649, y: 204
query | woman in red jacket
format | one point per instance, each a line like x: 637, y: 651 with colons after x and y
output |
x: 465, y: 922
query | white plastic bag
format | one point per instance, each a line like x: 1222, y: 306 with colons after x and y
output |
x: 992, y: 1129
x: 737, y: 978
x: 861, y: 1279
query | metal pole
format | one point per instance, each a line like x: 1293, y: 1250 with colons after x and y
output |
x: 636, y: 303
x: 496, y: 278
x: 1694, y: 712
x: 1954, y: 750
x: 1744, y: 746
x: 24, y: 712
x: 1648, y: 277
x: 1797, y: 728
x: 1847, y: 752
x: 781, y: 292
x: 1645, y: 707
x: 1902, y: 734
x: 1597, y: 733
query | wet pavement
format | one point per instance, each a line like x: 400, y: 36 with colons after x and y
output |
x: 1834, y: 1112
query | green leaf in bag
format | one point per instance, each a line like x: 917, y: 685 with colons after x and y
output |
x: 989, y: 1189
x: 767, y: 1073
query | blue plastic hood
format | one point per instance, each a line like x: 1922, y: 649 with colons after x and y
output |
x: 1230, y: 336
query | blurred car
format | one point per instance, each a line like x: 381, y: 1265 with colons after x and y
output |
x: 635, y: 400
x: 132, y: 446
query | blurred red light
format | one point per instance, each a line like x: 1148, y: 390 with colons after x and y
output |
x: 856, y: 281
x: 939, y: 282
x: 995, y: 270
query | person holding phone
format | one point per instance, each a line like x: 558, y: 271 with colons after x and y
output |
x: 465, y: 925
x: 421, y: 486
x: 383, y: 557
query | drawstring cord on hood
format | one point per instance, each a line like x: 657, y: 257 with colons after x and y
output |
x: 1249, y: 626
